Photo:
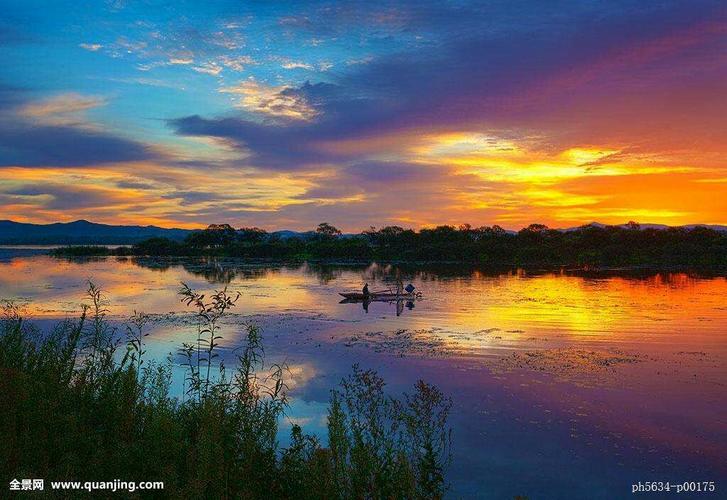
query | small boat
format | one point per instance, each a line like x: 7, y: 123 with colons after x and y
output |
x: 377, y: 296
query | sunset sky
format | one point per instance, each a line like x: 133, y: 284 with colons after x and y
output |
x: 415, y: 113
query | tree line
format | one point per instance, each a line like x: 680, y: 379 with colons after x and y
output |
x: 537, y: 244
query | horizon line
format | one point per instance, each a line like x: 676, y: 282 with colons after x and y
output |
x: 419, y: 228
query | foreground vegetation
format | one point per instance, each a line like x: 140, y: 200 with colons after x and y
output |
x: 536, y: 245
x: 84, y: 403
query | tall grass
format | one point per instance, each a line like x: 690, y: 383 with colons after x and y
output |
x: 77, y: 406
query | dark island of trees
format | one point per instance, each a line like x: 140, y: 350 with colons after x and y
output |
x: 591, y: 246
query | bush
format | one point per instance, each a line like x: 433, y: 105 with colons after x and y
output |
x: 81, y: 251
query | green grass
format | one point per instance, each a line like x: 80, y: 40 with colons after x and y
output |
x: 83, y: 403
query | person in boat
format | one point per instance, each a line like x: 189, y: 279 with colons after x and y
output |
x: 366, y: 293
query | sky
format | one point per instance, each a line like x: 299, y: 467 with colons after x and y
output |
x: 415, y: 113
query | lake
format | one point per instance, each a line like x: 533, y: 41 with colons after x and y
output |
x: 564, y: 384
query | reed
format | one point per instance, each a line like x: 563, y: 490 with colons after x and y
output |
x: 78, y: 407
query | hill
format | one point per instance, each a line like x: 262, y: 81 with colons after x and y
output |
x: 81, y: 232
x: 715, y: 227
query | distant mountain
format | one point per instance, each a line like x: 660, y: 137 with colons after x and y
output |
x: 285, y: 234
x: 716, y: 227
x: 81, y: 232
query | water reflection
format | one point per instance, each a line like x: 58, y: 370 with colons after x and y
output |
x: 456, y: 297
x: 671, y: 328
x: 399, y: 304
x: 465, y: 307
x: 225, y: 270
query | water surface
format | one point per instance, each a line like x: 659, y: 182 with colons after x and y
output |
x: 564, y: 385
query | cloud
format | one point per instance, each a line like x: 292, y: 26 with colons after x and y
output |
x: 275, y: 101
x: 181, y: 60
x: 142, y: 192
x: 62, y: 197
x: 93, y: 47
x: 480, y: 68
x: 304, y: 121
x: 24, y: 144
x: 60, y: 109
x: 215, y: 67
x: 124, y: 46
x: 290, y: 64
x: 141, y: 185
x: 208, y: 68
x: 267, y: 146
x: 359, y: 60
x: 54, y: 132
x: 152, y: 82
x: 180, y: 43
x: 235, y: 63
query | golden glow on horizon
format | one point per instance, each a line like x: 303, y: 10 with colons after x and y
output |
x: 143, y: 193
x: 479, y: 177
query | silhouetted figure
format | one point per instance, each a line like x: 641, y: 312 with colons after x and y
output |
x: 366, y: 291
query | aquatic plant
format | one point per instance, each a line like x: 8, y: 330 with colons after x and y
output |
x: 76, y: 407
x: 135, y: 335
x: 384, y: 447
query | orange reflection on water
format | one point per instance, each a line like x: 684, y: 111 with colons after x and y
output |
x: 517, y: 307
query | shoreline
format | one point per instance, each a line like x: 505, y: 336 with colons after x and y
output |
x: 528, y: 267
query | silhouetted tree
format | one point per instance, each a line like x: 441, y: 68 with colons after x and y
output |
x: 216, y: 235
x: 588, y: 246
x: 327, y: 230
x: 251, y: 234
